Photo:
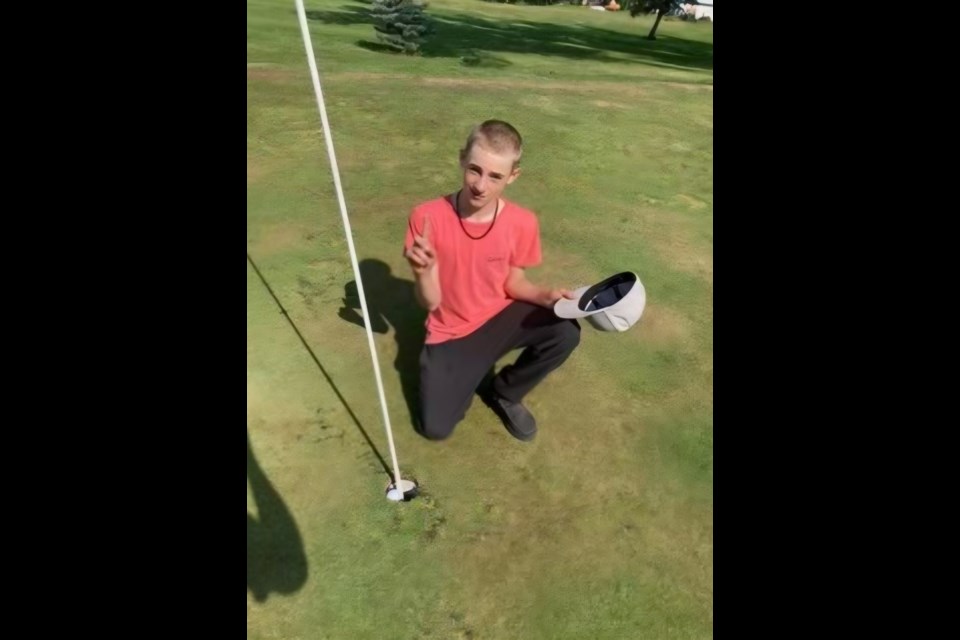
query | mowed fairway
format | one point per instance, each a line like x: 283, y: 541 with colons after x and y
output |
x: 603, y: 526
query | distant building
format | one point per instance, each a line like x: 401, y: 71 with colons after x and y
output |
x: 702, y: 9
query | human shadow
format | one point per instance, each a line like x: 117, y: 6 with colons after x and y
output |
x: 391, y: 303
x: 276, y: 560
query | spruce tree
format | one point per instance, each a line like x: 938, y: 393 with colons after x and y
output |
x: 400, y: 24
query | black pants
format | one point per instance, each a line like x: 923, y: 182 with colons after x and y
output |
x: 451, y: 371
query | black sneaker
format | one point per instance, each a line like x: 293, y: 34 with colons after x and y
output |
x: 515, y: 417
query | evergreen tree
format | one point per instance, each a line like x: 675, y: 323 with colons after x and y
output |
x: 400, y: 24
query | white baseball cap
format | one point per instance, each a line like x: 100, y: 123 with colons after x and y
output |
x: 614, y: 304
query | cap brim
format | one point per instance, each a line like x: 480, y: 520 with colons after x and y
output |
x: 565, y: 308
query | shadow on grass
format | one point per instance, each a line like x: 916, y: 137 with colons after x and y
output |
x: 391, y: 303
x: 323, y: 371
x: 276, y: 561
x: 476, y: 40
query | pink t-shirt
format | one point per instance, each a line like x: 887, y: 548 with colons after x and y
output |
x: 473, y: 272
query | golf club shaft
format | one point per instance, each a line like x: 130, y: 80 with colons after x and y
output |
x: 328, y: 137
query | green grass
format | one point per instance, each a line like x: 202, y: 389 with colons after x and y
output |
x: 602, y: 527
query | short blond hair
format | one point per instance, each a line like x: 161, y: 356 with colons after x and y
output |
x: 497, y: 136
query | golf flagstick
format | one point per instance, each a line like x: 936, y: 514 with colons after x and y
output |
x: 401, y: 489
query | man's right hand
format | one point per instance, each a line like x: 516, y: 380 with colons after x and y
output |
x: 422, y: 256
